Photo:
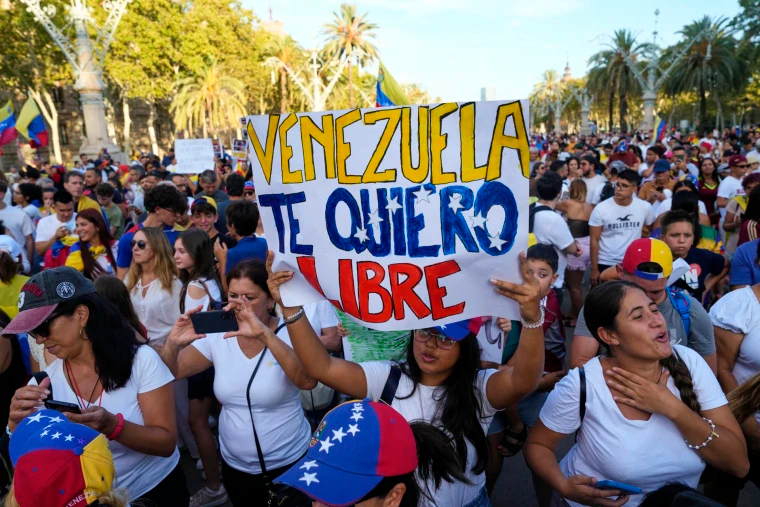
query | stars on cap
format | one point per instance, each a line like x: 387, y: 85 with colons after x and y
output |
x: 69, y: 437
x: 309, y: 478
x: 44, y: 433
x: 35, y: 418
x: 353, y: 429
x: 56, y: 435
x: 325, y: 445
x: 308, y: 465
x: 338, y: 435
x: 357, y: 416
x: 55, y: 419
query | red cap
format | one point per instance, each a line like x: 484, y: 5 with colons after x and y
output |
x: 736, y: 160
x: 648, y: 250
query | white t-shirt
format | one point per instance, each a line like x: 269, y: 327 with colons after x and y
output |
x: 421, y: 406
x: 551, y: 229
x: 47, y: 226
x: 646, y: 454
x: 18, y: 223
x: 667, y: 204
x: 621, y: 226
x: 158, y: 310
x: 739, y: 312
x: 33, y: 211
x: 281, y: 426
x: 321, y: 315
x: 712, y: 142
x: 728, y: 188
x: 643, y: 167
x: 213, y: 290
x: 592, y: 183
x: 136, y: 472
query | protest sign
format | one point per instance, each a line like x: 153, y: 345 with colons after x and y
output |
x: 399, y: 216
x: 218, y: 148
x: 193, y: 155
x: 238, y: 149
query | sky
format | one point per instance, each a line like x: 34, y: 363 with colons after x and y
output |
x: 453, y: 48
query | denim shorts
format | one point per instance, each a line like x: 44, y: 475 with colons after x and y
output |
x: 481, y: 500
x: 529, y: 409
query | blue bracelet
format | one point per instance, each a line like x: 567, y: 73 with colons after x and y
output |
x: 8, y: 431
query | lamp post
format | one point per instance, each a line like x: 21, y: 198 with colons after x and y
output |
x: 86, y: 59
x: 650, y: 84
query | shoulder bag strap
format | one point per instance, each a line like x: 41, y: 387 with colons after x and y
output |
x: 391, y: 386
x: 582, y: 374
x: 250, y: 410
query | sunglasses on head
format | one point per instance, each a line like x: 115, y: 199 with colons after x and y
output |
x: 43, y: 329
x: 443, y: 341
x: 140, y: 244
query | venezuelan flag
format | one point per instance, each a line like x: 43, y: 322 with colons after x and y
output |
x: 31, y: 125
x: 662, y: 129
x: 8, y: 130
x: 388, y: 91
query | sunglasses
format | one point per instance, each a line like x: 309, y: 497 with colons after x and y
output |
x: 43, y: 329
x: 140, y: 244
x: 441, y: 340
x: 249, y: 193
x: 742, y: 166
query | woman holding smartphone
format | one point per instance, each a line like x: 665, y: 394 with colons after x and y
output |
x: 652, y: 414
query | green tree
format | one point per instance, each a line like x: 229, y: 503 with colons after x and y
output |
x: 288, y: 53
x: 350, y: 36
x: 212, y: 100
x: 545, y: 93
x: 711, y: 64
x: 610, y: 73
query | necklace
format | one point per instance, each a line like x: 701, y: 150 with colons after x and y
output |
x: 73, y: 380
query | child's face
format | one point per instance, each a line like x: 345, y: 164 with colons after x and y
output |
x: 47, y: 197
x: 543, y: 273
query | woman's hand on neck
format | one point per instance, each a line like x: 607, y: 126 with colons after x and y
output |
x: 645, y: 368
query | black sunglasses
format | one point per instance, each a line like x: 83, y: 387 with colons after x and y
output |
x: 43, y: 329
x: 140, y: 244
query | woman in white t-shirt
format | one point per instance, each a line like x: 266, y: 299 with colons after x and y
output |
x: 736, y: 318
x: 257, y: 381
x: 440, y: 382
x: 95, y: 252
x: 153, y: 285
x: 194, y: 255
x: 121, y: 387
x: 653, y: 413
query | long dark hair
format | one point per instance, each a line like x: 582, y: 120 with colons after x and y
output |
x: 437, y: 462
x: 92, y: 268
x: 9, y: 268
x: 113, y: 340
x: 116, y: 292
x: 753, y: 206
x: 201, y: 249
x: 601, y: 309
x: 460, y: 405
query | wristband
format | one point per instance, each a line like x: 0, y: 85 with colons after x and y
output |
x: 118, y: 429
x: 294, y: 317
x: 8, y: 431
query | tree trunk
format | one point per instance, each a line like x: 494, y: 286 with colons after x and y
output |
x: 623, y: 106
x: 50, y: 113
x: 152, y: 127
x: 283, y: 90
x: 611, y: 110
x: 350, y: 85
x: 702, y: 106
x: 127, y: 126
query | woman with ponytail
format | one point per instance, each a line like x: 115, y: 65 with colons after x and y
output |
x: 652, y: 414
x: 372, y: 459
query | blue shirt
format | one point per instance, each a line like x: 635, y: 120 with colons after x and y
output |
x: 744, y: 268
x: 249, y: 247
x: 702, y: 263
x: 124, y: 252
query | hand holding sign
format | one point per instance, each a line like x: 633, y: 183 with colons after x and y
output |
x: 527, y: 295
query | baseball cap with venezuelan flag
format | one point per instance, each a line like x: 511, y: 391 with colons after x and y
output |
x: 59, y: 463
x: 647, y: 258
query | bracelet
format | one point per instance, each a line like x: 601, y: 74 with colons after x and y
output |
x: 295, y: 317
x: 118, y: 429
x: 8, y: 431
x: 709, y: 439
x: 534, y: 325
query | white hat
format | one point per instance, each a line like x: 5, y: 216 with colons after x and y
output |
x: 753, y: 158
x: 9, y: 246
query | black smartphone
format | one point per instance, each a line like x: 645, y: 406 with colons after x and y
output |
x: 660, y: 189
x: 214, y: 322
x: 62, y: 406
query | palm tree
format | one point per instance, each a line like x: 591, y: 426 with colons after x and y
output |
x: 545, y: 92
x: 286, y: 51
x: 211, y: 99
x: 711, y: 64
x: 348, y: 36
x: 609, y: 70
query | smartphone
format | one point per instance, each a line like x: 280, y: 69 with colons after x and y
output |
x: 214, y: 322
x: 660, y: 189
x: 623, y: 488
x: 62, y: 406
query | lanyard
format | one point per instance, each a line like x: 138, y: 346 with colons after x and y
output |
x: 79, y: 395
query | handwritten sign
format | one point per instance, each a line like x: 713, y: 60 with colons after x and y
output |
x: 399, y: 216
x: 193, y: 155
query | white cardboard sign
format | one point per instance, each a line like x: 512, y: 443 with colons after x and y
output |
x: 193, y: 155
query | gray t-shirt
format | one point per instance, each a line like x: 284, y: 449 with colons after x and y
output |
x: 701, y: 339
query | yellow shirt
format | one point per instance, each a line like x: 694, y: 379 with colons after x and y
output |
x: 9, y: 293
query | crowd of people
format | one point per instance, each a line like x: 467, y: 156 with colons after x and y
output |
x: 102, y: 267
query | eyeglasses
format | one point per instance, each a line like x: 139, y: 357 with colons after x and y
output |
x: 43, y: 329
x: 742, y: 166
x: 249, y: 193
x: 140, y: 244
x: 624, y: 187
x: 441, y: 340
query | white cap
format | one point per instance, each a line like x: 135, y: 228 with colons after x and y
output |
x: 9, y: 246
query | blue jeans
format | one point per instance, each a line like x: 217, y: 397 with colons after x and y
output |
x: 481, y: 500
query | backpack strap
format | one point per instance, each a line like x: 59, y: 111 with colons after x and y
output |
x: 681, y: 303
x: 391, y: 385
x: 532, y: 210
x: 582, y: 375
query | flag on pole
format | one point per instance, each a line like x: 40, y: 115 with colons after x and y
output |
x: 31, y: 125
x: 388, y: 91
x: 662, y: 129
x: 8, y: 130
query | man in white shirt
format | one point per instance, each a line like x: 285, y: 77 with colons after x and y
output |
x: 731, y: 185
x: 616, y: 223
x: 549, y: 227
x: 710, y: 139
x: 590, y: 178
x: 646, y: 168
x: 17, y: 223
x: 681, y: 164
x: 54, y: 227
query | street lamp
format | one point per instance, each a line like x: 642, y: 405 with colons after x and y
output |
x: 651, y: 84
x: 86, y: 59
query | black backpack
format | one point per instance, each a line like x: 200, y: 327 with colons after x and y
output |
x: 607, y: 192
